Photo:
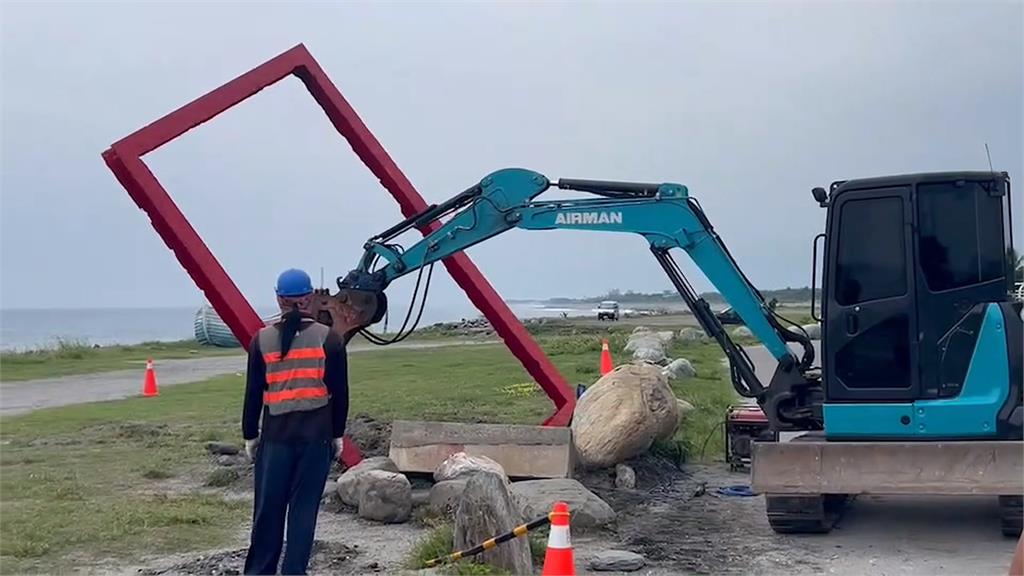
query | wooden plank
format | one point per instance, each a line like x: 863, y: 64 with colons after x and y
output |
x: 813, y: 466
x: 524, y: 451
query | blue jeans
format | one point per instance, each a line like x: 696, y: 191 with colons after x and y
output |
x: 289, y: 483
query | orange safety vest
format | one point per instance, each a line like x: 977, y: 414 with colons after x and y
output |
x: 295, y: 383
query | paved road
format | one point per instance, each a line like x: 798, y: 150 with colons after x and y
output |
x: 28, y: 395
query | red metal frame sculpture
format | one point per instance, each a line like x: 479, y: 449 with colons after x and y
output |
x: 124, y: 158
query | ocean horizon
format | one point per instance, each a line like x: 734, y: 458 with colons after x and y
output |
x: 35, y: 328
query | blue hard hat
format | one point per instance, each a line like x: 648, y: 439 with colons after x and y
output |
x: 294, y: 282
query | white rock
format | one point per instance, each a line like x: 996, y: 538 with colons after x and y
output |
x: 349, y: 486
x: 625, y: 477
x: 385, y: 497
x: 616, y: 561
x: 444, y: 496
x: 742, y: 332
x: 462, y: 465
x: 622, y: 414
x: 679, y: 368
x: 691, y: 334
x: 536, y: 497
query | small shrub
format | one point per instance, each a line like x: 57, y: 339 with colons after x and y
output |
x: 436, y: 543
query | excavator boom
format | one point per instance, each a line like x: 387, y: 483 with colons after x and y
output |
x: 664, y: 214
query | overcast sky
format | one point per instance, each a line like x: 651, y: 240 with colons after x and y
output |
x: 750, y: 105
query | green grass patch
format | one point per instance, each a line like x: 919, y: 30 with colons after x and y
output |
x: 85, y: 481
x: 76, y: 357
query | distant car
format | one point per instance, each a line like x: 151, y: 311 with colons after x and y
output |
x: 608, y: 310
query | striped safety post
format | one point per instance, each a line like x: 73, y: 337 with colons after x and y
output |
x: 516, y: 532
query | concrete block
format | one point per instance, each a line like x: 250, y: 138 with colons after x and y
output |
x: 523, y: 451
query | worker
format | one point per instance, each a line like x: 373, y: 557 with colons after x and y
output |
x: 293, y: 420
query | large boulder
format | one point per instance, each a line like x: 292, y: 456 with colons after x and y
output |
x: 349, y: 486
x: 444, y: 496
x: 385, y: 497
x: 536, y: 497
x: 485, y: 510
x: 622, y: 414
x: 813, y: 331
x: 462, y: 465
x: 680, y: 368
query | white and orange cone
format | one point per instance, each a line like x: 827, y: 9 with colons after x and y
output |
x: 606, y: 358
x: 149, y: 387
x: 558, y: 561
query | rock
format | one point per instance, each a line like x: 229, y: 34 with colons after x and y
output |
x: 349, y: 484
x: 684, y: 408
x: 691, y: 334
x: 536, y: 497
x: 485, y: 510
x: 444, y: 496
x: 616, y: 561
x: 622, y: 414
x: 385, y: 497
x: 646, y: 347
x: 625, y: 477
x: 330, y: 487
x: 640, y: 329
x: 420, y: 497
x: 461, y: 465
x: 223, y: 448
x: 666, y: 337
x: 742, y: 332
x: 679, y: 368
x: 226, y: 460
x: 813, y: 331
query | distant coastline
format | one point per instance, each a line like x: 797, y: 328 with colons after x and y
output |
x: 783, y: 295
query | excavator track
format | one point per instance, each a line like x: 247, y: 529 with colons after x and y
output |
x: 804, y: 513
x: 1011, y: 515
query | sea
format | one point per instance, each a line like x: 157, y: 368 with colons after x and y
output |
x: 24, y: 329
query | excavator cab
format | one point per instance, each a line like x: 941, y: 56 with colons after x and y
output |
x: 921, y: 336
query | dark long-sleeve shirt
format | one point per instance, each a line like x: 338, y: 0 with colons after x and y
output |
x: 322, y: 423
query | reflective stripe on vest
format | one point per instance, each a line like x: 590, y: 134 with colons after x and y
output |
x: 296, y: 382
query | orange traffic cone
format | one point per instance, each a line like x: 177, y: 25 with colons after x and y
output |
x: 606, y: 358
x: 558, y: 560
x: 149, y: 384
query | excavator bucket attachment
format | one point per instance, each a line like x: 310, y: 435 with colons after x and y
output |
x: 350, y: 310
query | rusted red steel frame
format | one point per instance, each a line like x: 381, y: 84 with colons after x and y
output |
x: 124, y: 158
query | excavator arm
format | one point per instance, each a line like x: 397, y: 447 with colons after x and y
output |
x: 664, y: 214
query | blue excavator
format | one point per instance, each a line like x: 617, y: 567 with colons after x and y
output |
x: 921, y: 338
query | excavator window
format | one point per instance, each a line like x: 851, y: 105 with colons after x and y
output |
x: 961, y: 242
x: 871, y: 263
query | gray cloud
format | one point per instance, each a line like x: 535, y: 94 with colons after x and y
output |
x: 750, y: 105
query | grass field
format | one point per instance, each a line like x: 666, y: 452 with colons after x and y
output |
x: 70, y: 357
x: 116, y: 479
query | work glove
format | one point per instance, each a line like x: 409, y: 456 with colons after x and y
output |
x: 336, y: 446
x: 251, y: 447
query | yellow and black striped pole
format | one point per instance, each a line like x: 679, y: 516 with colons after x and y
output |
x: 516, y: 532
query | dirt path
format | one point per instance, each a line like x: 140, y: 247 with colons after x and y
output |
x: 28, y: 395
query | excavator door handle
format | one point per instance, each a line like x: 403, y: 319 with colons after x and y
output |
x: 852, y: 323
